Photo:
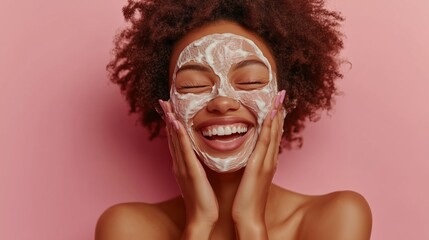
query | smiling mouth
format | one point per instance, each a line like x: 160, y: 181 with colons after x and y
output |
x: 224, y: 132
x: 225, y: 137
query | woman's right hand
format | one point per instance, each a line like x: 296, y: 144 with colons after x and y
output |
x: 200, y: 201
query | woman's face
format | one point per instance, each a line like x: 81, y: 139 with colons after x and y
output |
x: 222, y: 84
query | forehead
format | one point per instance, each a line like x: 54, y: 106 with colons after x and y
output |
x: 219, y: 28
x: 221, y: 50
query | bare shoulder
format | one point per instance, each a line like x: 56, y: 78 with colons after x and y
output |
x: 139, y: 221
x: 343, y: 215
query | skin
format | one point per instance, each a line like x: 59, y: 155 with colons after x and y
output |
x: 241, y: 205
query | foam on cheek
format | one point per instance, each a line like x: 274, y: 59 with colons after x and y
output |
x: 186, y: 106
x: 220, y: 52
x: 258, y: 102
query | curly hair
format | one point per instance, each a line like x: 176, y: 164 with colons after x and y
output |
x: 303, y: 36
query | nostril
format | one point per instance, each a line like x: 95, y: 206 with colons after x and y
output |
x: 223, y: 104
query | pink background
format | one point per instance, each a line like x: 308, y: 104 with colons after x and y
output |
x: 68, y: 149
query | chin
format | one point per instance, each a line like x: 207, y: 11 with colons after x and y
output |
x: 229, y: 151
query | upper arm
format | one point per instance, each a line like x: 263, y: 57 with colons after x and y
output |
x: 344, y: 216
x: 131, y: 222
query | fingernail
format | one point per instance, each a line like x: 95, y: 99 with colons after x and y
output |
x: 276, y: 101
x: 282, y: 96
x: 176, y: 125
x: 273, y: 114
x: 161, y: 103
x: 170, y: 117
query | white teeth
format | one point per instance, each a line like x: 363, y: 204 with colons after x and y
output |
x: 224, y: 130
x: 220, y: 131
x: 228, y: 130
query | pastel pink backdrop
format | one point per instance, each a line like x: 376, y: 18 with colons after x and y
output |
x: 68, y: 149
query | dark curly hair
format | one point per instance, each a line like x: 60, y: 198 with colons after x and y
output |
x: 302, y: 34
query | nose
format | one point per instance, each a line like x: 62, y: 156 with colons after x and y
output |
x: 222, y: 105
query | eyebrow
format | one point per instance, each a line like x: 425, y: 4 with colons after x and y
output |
x: 196, y: 67
x: 202, y: 68
x: 247, y: 63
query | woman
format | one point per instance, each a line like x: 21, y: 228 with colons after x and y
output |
x: 221, y: 64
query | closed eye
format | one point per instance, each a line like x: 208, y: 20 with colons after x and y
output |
x: 249, y: 83
x: 194, y: 86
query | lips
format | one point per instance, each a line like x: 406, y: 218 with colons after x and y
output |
x: 224, y: 134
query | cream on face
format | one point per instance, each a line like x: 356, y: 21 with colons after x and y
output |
x: 221, y: 52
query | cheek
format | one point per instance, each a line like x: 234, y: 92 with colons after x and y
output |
x: 186, y: 106
x: 258, y: 102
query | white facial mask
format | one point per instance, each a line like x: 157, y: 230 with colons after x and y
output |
x: 220, y: 52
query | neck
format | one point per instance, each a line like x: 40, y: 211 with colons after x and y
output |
x: 225, y: 186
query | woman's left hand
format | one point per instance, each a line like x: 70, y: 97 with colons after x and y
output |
x: 248, y: 209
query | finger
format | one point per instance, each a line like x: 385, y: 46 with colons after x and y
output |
x: 172, y: 139
x: 190, y: 160
x: 174, y: 127
x: 167, y: 125
x: 276, y: 133
x: 282, y: 95
x: 281, y: 118
x: 179, y: 158
x: 172, y: 144
x: 168, y: 106
x: 264, y: 139
x: 270, y: 161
